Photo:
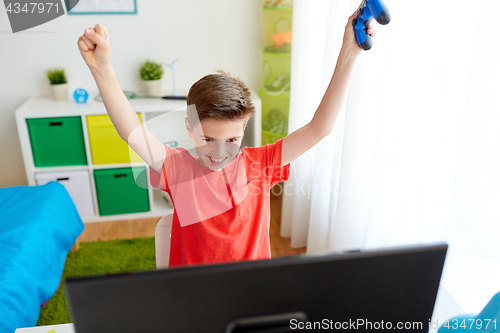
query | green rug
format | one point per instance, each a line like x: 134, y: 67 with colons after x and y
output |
x: 98, y: 258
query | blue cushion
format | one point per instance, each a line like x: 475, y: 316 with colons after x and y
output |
x: 38, y: 227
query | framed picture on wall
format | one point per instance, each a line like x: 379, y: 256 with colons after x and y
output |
x: 101, y: 6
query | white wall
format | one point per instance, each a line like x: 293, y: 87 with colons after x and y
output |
x: 206, y: 34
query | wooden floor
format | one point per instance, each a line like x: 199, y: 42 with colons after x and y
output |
x: 127, y: 229
x: 280, y: 247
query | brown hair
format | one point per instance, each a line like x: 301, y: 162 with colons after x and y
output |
x: 219, y: 96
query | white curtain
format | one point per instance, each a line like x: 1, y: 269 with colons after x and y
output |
x: 415, y: 154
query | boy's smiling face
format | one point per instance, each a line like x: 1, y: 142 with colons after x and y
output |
x: 217, y: 142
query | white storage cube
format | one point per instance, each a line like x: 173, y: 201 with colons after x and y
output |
x: 77, y: 183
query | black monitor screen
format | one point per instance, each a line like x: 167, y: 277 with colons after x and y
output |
x: 362, y: 291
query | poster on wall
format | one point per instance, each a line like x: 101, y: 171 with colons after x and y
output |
x: 102, y: 6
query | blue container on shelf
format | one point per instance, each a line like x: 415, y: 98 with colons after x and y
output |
x: 80, y: 95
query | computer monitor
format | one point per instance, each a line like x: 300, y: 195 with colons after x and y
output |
x: 366, y: 290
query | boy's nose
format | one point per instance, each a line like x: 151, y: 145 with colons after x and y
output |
x: 218, y: 149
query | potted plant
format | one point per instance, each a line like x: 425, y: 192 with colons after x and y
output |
x: 151, y: 73
x: 58, y: 84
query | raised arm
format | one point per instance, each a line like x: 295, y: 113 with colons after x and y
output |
x: 95, y: 49
x: 300, y: 141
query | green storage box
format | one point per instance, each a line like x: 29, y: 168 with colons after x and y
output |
x: 57, y: 141
x: 275, y: 109
x: 270, y: 102
x: 276, y: 72
x: 119, y: 192
x: 276, y: 20
x: 269, y: 137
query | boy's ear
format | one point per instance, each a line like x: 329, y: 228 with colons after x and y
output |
x: 188, y: 127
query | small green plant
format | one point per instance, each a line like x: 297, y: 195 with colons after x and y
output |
x: 56, y: 76
x: 151, y: 70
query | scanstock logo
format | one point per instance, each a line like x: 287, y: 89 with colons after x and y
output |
x: 26, y: 14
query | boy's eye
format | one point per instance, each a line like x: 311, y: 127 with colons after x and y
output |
x: 210, y: 140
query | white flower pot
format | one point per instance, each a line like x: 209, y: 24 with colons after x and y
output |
x: 153, y: 88
x: 60, y: 91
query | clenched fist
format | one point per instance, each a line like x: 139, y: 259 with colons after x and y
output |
x: 94, y: 46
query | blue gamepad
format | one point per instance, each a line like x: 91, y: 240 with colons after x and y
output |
x: 367, y: 10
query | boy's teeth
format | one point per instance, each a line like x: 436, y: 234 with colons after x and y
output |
x: 217, y: 160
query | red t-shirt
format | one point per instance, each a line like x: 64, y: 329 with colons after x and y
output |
x: 220, y: 216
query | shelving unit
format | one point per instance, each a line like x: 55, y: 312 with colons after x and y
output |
x: 276, y: 67
x: 148, y: 109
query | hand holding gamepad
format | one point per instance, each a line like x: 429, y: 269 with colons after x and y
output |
x: 367, y: 10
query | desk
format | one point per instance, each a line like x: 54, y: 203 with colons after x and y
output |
x: 64, y: 328
x: 445, y: 308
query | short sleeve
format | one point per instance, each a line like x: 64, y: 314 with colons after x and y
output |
x: 159, y: 180
x: 264, y: 163
x: 177, y: 168
x: 280, y: 173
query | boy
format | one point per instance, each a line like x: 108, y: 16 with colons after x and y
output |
x: 221, y: 197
